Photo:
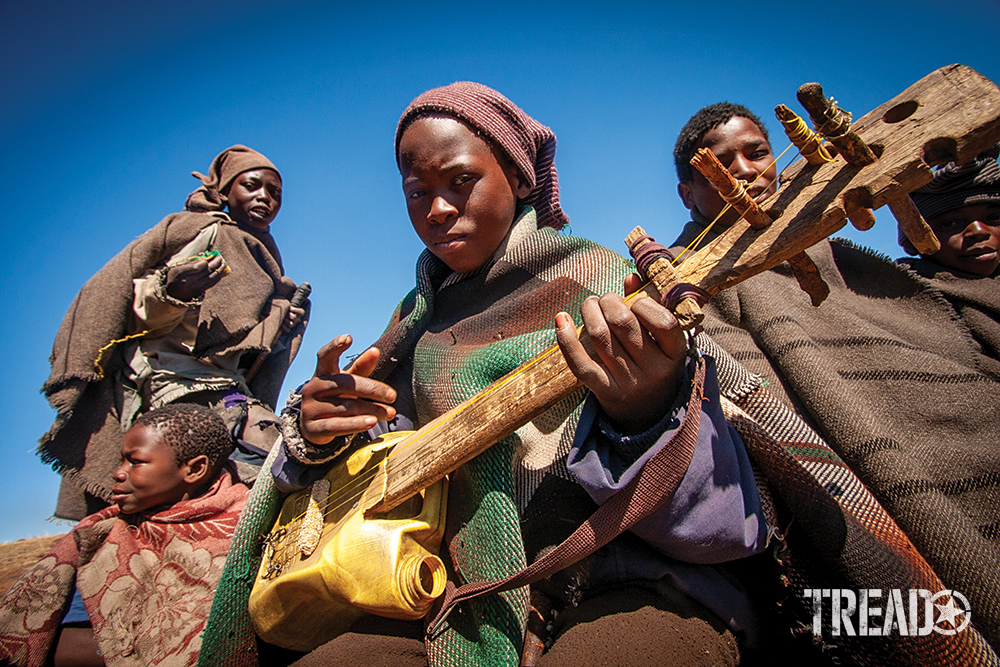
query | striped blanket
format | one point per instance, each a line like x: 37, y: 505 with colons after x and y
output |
x: 886, y: 372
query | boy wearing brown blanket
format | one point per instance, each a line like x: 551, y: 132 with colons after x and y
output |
x: 168, y: 319
x: 962, y: 206
x: 884, y: 369
x: 133, y: 584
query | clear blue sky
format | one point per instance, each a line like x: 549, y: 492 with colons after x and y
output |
x: 108, y: 105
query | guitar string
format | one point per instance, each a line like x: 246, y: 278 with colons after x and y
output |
x: 346, y: 494
x: 698, y: 239
x: 403, y: 445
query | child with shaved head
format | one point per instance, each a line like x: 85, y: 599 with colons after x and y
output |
x: 133, y: 584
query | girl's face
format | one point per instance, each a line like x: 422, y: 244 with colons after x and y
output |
x: 460, y: 195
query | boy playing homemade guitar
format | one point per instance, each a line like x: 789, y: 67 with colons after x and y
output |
x: 482, y: 194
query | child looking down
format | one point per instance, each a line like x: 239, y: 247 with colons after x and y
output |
x: 133, y: 584
x: 164, y: 322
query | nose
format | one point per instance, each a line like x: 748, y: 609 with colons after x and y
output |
x: 744, y: 168
x: 120, y: 475
x: 441, y: 210
x: 977, y: 229
x: 264, y: 195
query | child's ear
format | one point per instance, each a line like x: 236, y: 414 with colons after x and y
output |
x: 518, y: 183
x: 684, y: 190
x: 197, y: 469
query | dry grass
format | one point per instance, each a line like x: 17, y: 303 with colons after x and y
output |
x: 16, y: 557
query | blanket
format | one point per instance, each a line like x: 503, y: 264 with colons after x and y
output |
x: 147, y: 582
x: 886, y: 372
x: 463, y: 333
x: 977, y: 301
x: 449, y: 338
x: 241, y: 314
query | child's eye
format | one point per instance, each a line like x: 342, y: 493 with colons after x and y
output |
x: 415, y: 194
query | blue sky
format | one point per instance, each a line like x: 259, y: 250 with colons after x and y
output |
x: 108, y: 105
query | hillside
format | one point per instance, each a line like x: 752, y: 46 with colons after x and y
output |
x: 16, y: 557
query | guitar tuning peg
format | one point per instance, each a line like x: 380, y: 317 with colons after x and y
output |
x: 914, y: 225
x: 807, y: 275
x: 834, y: 124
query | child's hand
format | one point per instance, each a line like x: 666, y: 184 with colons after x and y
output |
x: 641, y: 355
x: 340, y: 402
x: 292, y: 319
x: 189, y: 280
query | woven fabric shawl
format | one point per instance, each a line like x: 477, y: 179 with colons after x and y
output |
x: 887, y: 374
x: 240, y: 314
x: 977, y: 300
x: 462, y: 337
x: 461, y: 333
x: 147, y: 582
x: 840, y: 535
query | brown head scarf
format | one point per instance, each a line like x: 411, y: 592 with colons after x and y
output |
x: 528, y: 143
x: 226, y: 166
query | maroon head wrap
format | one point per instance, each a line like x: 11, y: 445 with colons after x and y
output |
x: 528, y: 143
x: 226, y: 166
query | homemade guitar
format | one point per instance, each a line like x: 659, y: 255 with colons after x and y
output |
x: 364, y: 539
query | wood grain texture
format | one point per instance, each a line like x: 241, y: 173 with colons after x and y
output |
x: 914, y: 226
x: 834, y: 124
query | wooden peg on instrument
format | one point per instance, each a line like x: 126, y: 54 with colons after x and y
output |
x: 731, y: 190
x: 834, y: 124
x: 809, y: 143
x: 807, y: 275
x: 662, y: 274
x: 862, y: 218
x: 858, y: 207
x: 914, y: 225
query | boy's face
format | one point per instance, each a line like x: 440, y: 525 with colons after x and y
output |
x: 743, y: 150
x: 255, y: 197
x: 460, y: 199
x: 970, y: 238
x: 148, y: 475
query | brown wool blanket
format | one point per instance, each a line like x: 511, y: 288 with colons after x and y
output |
x: 239, y: 314
x: 147, y: 582
x: 977, y: 300
x: 886, y: 371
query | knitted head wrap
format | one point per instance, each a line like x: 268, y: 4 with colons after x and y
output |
x: 529, y: 144
x: 953, y: 186
x: 226, y: 166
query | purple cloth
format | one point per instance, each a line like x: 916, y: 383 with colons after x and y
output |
x: 715, y: 514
